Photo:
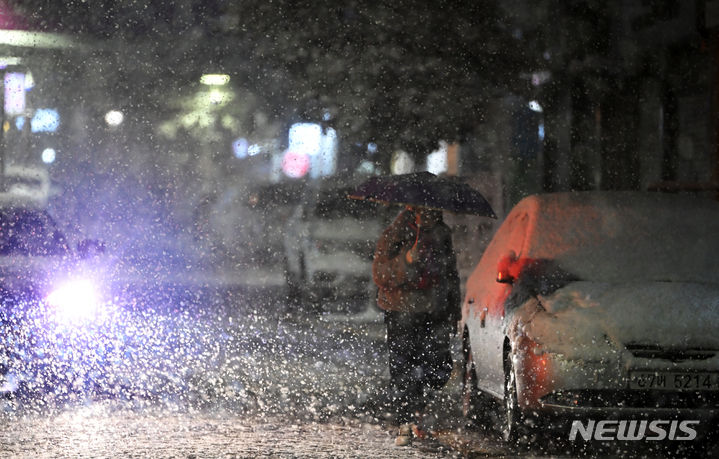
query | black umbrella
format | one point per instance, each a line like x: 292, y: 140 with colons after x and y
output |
x: 424, y: 189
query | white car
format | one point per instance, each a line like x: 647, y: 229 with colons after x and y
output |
x: 591, y: 304
x: 329, y: 243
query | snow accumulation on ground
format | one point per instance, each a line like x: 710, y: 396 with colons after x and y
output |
x: 248, y: 385
x: 99, y: 432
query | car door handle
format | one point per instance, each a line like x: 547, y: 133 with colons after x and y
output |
x: 483, y: 317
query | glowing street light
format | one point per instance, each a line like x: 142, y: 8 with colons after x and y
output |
x: 214, y: 79
x: 535, y: 107
x: 48, y: 155
x: 114, y: 118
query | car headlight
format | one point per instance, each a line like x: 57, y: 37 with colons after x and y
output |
x: 76, y: 299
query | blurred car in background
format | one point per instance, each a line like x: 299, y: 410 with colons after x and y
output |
x: 45, y: 288
x: 596, y: 303
x: 329, y: 243
x: 27, y: 182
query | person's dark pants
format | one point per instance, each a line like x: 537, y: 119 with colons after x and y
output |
x: 419, y: 360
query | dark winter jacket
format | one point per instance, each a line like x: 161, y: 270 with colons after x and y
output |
x: 429, y: 284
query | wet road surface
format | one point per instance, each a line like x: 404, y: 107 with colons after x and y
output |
x: 248, y: 378
x: 103, y: 431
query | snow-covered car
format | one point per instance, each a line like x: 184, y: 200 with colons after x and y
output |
x: 46, y: 290
x: 329, y: 243
x: 596, y: 303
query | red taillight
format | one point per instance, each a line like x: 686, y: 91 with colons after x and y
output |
x: 535, y: 369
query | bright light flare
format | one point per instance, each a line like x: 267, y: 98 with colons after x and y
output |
x: 114, y: 118
x: 214, y: 79
x: 535, y: 106
x: 75, y: 300
x: 49, y: 155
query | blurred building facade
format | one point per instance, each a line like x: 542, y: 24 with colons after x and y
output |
x: 625, y: 98
x: 637, y: 110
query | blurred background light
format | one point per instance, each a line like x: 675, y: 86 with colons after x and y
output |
x: 305, y: 138
x: 324, y: 163
x: 214, y: 79
x: 36, y: 39
x: 217, y: 96
x: 6, y: 61
x: 14, y: 93
x: 535, y: 107
x: 437, y: 160
x: 239, y: 148
x: 45, y: 120
x: 254, y: 149
x: 366, y: 167
x: 48, y: 155
x: 29, y: 81
x: 295, y: 164
x: 114, y: 118
x: 401, y: 163
x: 540, y: 78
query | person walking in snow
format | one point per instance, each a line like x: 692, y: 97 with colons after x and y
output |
x: 415, y: 271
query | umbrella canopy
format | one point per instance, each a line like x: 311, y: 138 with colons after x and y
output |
x: 424, y: 189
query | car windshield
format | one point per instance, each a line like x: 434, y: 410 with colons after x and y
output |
x: 29, y: 232
x: 656, y: 238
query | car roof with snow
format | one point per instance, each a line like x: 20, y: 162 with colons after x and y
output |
x: 14, y: 200
x: 623, y: 236
x: 25, y: 187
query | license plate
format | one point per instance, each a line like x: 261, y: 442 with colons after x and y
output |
x: 673, y: 380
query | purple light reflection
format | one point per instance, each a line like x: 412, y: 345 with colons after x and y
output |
x: 75, y: 300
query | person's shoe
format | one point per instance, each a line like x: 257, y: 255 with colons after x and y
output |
x: 419, y: 432
x: 418, y: 428
x: 404, y: 437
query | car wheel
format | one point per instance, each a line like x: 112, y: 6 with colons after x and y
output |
x: 511, y: 430
x: 473, y: 403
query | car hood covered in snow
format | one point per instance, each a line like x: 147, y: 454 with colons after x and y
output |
x: 624, y: 236
x: 589, y: 319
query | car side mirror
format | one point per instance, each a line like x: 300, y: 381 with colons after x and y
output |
x: 89, y: 248
x: 505, y: 268
x: 503, y: 277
